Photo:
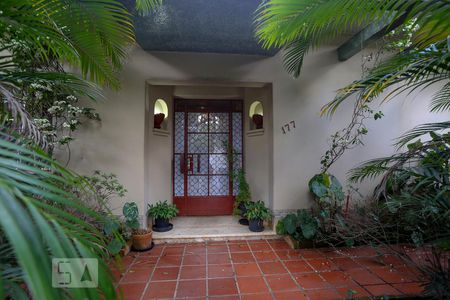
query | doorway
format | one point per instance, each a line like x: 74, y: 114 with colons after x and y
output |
x: 207, y: 151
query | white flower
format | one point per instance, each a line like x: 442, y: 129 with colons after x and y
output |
x: 61, y: 103
x: 42, y: 123
x: 38, y: 95
x: 66, y: 125
x: 74, y: 109
x: 54, y: 109
x: 72, y: 98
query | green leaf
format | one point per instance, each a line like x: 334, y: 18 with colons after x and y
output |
x: 280, y: 228
x: 319, y: 189
x: 111, y: 225
x: 349, y: 242
x: 309, y: 230
x: 290, y: 224
x: 417, y: 238
x: 115, y: 246
x: 131, y: 213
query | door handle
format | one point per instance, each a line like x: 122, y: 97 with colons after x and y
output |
x: 182, y: 163
x: 198, y: 163
x: 190, y: 164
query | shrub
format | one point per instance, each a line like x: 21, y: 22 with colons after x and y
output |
x: 244, y: 195
x: 96, y: 191
x: 162, y: 210
x: 257, y: 210
x: 301, y: 225
x: 327, y: 191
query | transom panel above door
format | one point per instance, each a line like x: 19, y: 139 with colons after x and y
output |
x: 208, y: 147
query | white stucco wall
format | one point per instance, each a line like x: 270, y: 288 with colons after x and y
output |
x: 118, y: 144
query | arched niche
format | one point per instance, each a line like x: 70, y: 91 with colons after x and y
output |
x: 256, y: 114
x: 161, y: 112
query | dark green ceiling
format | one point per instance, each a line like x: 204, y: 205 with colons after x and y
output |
x: 216, y: 26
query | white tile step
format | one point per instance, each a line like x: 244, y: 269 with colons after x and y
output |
x: 217, y: 228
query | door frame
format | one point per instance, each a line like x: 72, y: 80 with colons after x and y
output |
x: 205, y: 205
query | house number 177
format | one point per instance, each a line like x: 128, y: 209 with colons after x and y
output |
x: 287, y: 127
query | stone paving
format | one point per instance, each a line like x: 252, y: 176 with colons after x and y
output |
x: 263, y: 269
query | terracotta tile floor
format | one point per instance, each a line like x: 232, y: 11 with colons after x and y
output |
x: 262, y: 269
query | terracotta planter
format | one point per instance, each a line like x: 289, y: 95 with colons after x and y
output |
x: 258, y: 120
x: 142, y: 240
x: 158, y: 119
x: 126, y: 249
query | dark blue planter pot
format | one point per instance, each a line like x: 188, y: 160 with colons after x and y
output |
x: 162, y: 225
x: 243, y: 209
x: 256, y: 225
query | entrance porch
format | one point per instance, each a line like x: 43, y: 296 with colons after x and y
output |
x: 207, y: 135
x: 210, y: 228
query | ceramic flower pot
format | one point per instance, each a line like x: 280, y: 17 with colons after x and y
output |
x: 127, y: 248
x: 162, y: 225
x: 243, y: 210
x: 258, y: 120
x: 256, y: 225
x: 142, y: 239
x: 158, y: 119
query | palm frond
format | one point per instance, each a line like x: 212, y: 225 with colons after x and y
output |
x: 441, y: 100
x: 293, y: 56
x: 92, y: 35
x: 22, y: 122
x: 414, y: 70
x: 27, y: 179
x: 371, y: 169
x: 281, y: 22
x: 67, y: 82
x: 419, y: 131
x: 144, y: 7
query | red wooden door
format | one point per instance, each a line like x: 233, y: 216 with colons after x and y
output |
x: 202, y: 165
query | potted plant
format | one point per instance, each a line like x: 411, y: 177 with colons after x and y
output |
x: 141, y: 238
x: 258, y: 120
x: 158, y: 119
x: 162, y: 212
x: 243, y: 198
x: 257, y: 213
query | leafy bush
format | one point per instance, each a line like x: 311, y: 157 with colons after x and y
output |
x: 244, y: 195
x: 328, y: 195
x: 96, y: 192
x: 312, y: 225
x: 301, y: 225
x: 106, y: 186
x: 327, y: 189
x: 162, y: 210
x: 131, y: 214
x: 414, y: 193
x: 257, y: 210
x: 437, y: 271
